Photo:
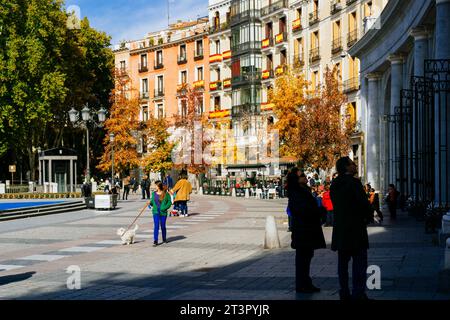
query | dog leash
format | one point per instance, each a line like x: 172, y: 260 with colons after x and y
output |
x: 142, y: 210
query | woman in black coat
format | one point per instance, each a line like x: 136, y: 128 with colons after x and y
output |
x: 307, y: 234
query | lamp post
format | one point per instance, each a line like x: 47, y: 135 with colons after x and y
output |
x: 111, y: 139
x: 86, y: 118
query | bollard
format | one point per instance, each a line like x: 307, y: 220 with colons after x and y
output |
x: 200, y: 191
x: 271, y: 240
x: 2, y: 188
x: 247, y: 195
x: 233, y: 192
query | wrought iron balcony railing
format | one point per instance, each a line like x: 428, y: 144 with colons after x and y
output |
x: 267, y: 10
x: 198, y: 54
x: 143, y: 67
x: 299, y: 60
x: 336, y: 45
x: 336, y: 6
x: 158, y: 65
x: 182, y: 59
x: 351, y: 85
x: 314, y: 17
x: 314, y: 55
x: 159, y: 93
x: 352, y: 37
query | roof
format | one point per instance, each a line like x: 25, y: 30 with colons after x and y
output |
x: 61, y: 151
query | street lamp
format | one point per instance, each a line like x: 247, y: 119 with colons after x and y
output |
x: 86, y: 118
x: 111, y: 139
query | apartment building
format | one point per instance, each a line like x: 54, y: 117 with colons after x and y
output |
x: 320, y: 33
x: 163, y: 61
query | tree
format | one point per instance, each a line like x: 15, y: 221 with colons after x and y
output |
x: 193, y: 149
x: 312, y: 129
x: 124, y: 123
x: 45, y: 69
x: 159, y: 157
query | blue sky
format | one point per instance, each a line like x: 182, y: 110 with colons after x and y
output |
x: 133, y: 19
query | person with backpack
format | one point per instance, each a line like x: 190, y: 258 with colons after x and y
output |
x: 159, y: 204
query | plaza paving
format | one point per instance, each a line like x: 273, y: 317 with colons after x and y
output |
x: 214, y: 254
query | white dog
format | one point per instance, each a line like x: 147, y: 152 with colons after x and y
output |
x: 127, y: 237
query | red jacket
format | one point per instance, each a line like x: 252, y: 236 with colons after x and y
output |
x: 326, y: 201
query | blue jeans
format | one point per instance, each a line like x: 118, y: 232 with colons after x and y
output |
x: 182, y: 206
x: 359, y: 271
x: 158, y: 221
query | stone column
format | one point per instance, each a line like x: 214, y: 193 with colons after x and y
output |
x: 40, y: 172
x: 397, y: 61
x: 71, y: 175
x: 442, y: 29
x: 420, y: 35
x: 373, y: 132
x: 442, y: 112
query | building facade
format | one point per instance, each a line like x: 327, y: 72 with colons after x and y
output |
x: 163, y: 61
x: 405, y: 99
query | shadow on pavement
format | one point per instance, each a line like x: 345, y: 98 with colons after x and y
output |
x: 16, y: 277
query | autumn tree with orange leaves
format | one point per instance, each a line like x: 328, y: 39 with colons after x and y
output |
x: 159, y: 152
x: 195, y: 140
x: 124, y: 123
x: 312, y: 127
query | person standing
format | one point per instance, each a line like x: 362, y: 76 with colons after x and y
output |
x: 352, y: 212
x: 374, y: 200
x: 391, y: 200
x: 328, y: 205
x: 307, y: 234
x: 183, y: 189
x: 168, y: 182
x: 144, y: 182
x: 126, y: 188
x: 159, y: 204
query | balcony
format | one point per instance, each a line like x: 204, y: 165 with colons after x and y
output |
x: 219, y: 28
x: 336, y: 6
x: 314, y: 17
x: 349, y: 2
x: 144, y: 95
x: 215, y: 58
x: 227, y: 83
x: 280, y: 38
x: 297, y: 25
x: 351, y: 85
x: 274, y: 7
x: 299, y: 60
x: 267, y: 74
x: 158, y: 65
x: 314, y: 55
x: 352, y: 37
x: 244, y: 16
x: 198, y: 85
x: 198, y: 54
x: 280, y: 70
x: 159, y: 93
x: 336, y: 46
x: 182, y: 59
x: 246, y: 46
x: 219, y: 114
x: 249, y: 74
x: 143, y: 67
x: 267, y: 43
x: 245, y: 109
x: 216, y: 85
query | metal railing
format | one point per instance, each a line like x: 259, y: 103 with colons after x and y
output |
x: 282, y: 4
x: 144, y: 95
x: 314, y: 54
x: 159, y: 92
x: 299, y: 60
x: 336, y: 45
x: 182, y: 59
x: 335, y: 6
x: 158, y: 65
x: 198, y: 54
x: 143, y: 67
x: 351, y: 85
x: 314, y: 17
x: 352, y: 37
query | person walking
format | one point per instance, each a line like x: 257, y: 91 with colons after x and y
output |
x: 391, y: 200
x: 352, y: 213
x: 144, y: 182
x: 307, y: 234
x: 159, y: 204
x: 168, y: 182
x: 183, y: 189
x: 374, y: 200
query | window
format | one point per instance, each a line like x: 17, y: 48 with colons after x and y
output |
x: 315, y: 80
x: 183, y: 77
x: 217, y: 46
x: 217, y: 20
x: 199, y: 48
x: 336, y: 30
x: 368, y: 9
x: 199, y: 73
x: 144, y: 85
x: 218, y: 74
x: 160, y: 111
x: 122, y: 65
x: 145, y: 113
x: 216, y: 103
x: 159, y: 57
x: 315, y: 40
x: 144, y: 61
x: 299, y: 13
x: 144, y: 144
x: 200, y: 105
x: 183, y: 108
x: 283, y: 57
x: 183, y: 52
x: 160, y: 84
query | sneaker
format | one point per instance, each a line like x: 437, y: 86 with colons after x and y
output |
x: 155, y: 243
x: 186, y: 215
